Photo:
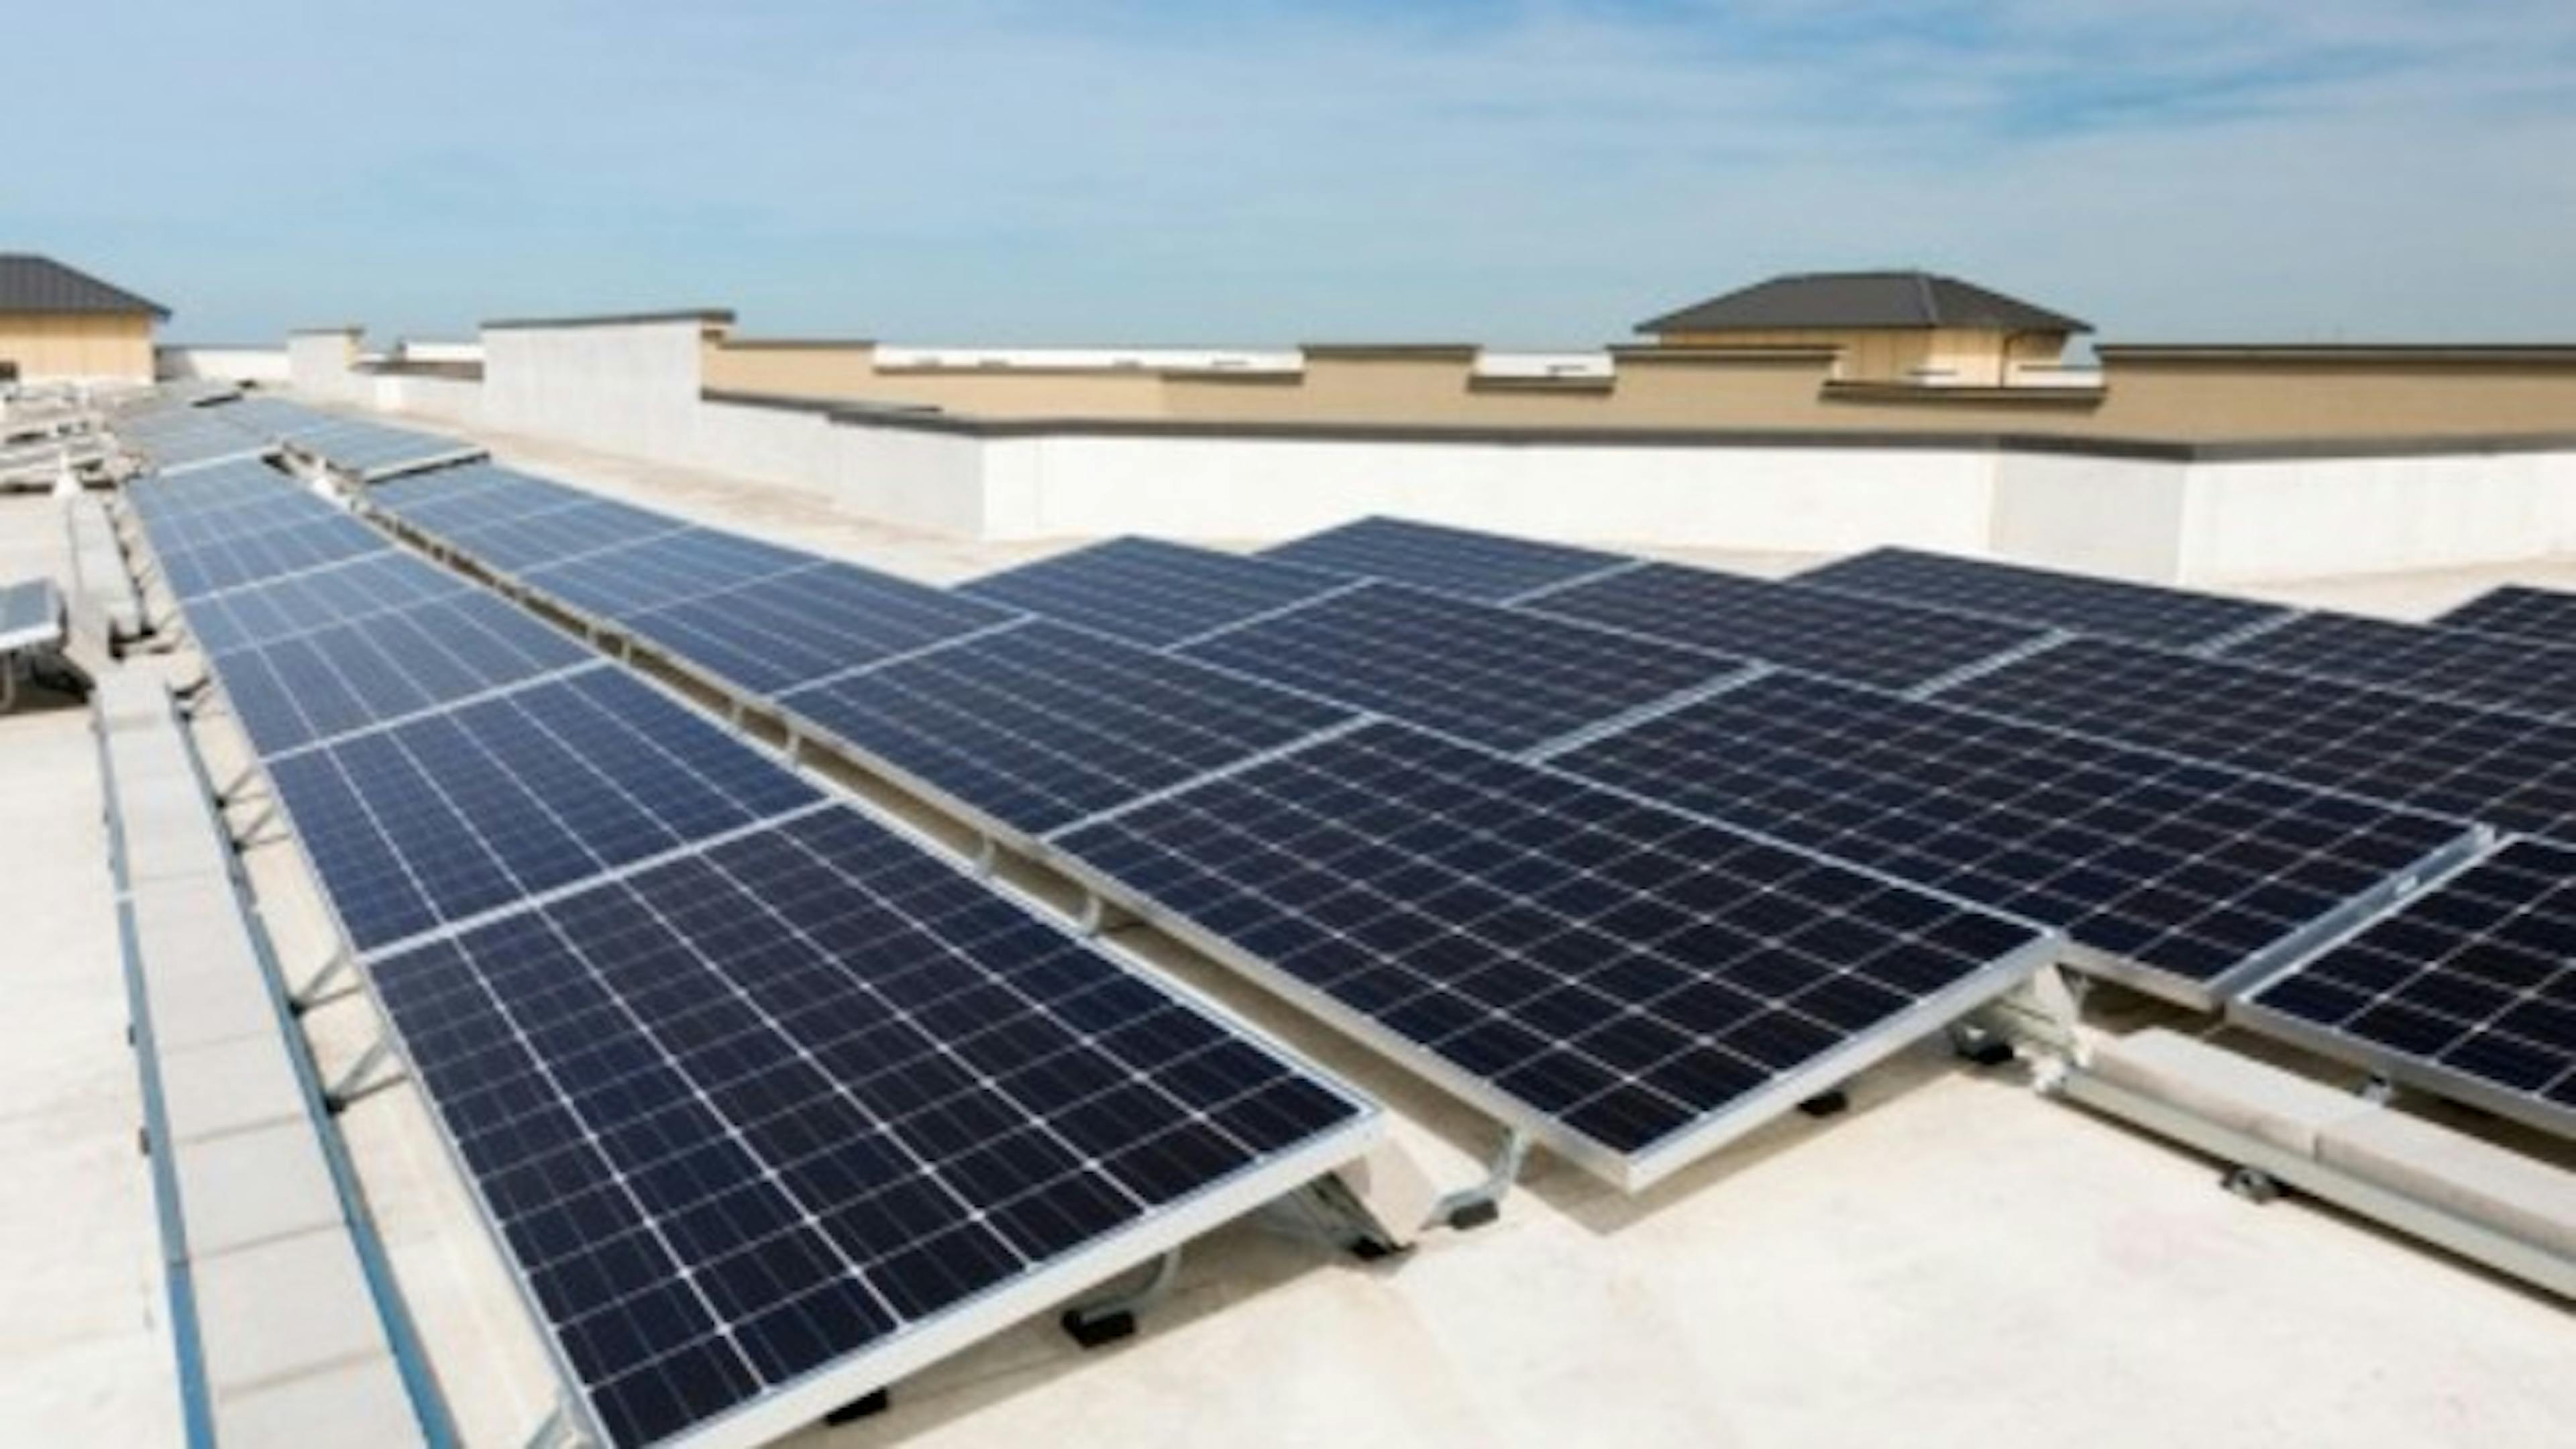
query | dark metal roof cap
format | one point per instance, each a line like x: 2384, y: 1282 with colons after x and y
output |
x: 1863, y: 301
x: 30, y: 283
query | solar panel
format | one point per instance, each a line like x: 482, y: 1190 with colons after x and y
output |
x: 2469, y: 989
x: 1633, y: 984
x: 515, y: 545
x: 2180, y: 877
x: 1150, y: 592
x: 1490, y: 676
x: 1040, y: 725
x: 215, y: 486
x: 2487, y: 669
x: 2111, y: 608
x: 1846, y: 636
x: 768, y: 1126
x: 257, y: 614
x: 2510, y: 770
x: 2545, y: 614
x: 263, y: 557
x: 1488, y: 566
x: 31, y: 613
x: 470, y: 495
x: 624, y: 582
x: 332, y: 681
x: 432, y: 821
x: 195, y: 528
x: 782, y: 630
x: 366, y: 449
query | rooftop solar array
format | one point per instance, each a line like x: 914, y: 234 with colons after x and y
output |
x: 2184, y: 878
x: 31, y: 613
x: 786, y: 629
x: 181, y: 438
x: 2469, y: 989
x: 366, y: 450
x: 476, y: 493
x: 810, y: 1094
x: 1040, y: 725
x: 1151, y: 592
x: 217, y: 487
x: 769, y: 1106
x: 2083, y: 604
x: 230, y: 563
x: 2510, y: 770
x: 1634, y: 983
x: 2495, y: 669
x: 1492, y: 677
x: 525, y: 541
x: 1864, y: 640
x: 2548, y: 615
x: 1472, y: 565
x: 258, y: 614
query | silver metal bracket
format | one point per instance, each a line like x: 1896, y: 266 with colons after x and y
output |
x: 1473, y: 1207
x: 248, y: 835
x: 2379, y: 1091
x: 987, y: 855
x: 311, y: 991
x: 1108, y: 1320
x: 1327, y: 1213
x: 353, y: 1084
x: 557, y: 1430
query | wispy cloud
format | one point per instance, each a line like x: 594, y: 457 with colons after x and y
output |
x: 1156, y: 170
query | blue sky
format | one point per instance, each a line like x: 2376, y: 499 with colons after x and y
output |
x: 1164, y: 172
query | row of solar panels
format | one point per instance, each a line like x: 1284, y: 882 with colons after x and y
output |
x: 766, y: 1103
x: 224, y: 427
x: 2189, y: 878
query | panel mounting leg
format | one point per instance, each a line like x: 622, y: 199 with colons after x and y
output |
x: 866, y: 1406
x: 241, y: 788
x: 304, y: 997
x: 1473, y: 1207
x: 987, y: 855
x: 1826, y: 1104
x: 555, y: 1430
x: 248, y: 835
x: 353, y: 1083
x: 1111, y: 1319
x: 2379, y: 1091
x: 1328, y: 1213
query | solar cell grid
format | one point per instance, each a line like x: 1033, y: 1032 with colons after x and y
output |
x: 215, y: 486
x: 1040, y: 725
x: 320, y: 598
x: 281, y: 508
x: 364, y: 447
x: 2548, y: 615
x: 784, y: 630
x: 2196, y: 873
x: 1495, y: 677
x: 1469, y: 564
x: 2511, y: 770
x: 437, y: 819
x: 1865, y: 640
x: 350, y: 676
x: 2469, y: 988
x: 2490, y: 669
x: 513, y: 545
x: 746, y: 1115
x: 263, y: 557
x: 622, y: 582
x: 1150, y: 592
x: 2111, y: 608
x: 1635, y: 981
x: 31, y: 612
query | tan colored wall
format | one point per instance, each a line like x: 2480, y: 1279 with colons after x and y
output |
x: 77, y: 344
x: 849, y: 370
x: 2256, y: 398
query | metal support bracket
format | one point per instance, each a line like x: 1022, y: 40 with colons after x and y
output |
x: 1473, y: 1207
x: 353, y: 1084
x: 559, y: 1429
x: 248, y: 835
x: 310, y: 992
x: 987, y: 855
x: 1111, y: 1319
x: 2379, y: 1091
x: 1327, y: 1213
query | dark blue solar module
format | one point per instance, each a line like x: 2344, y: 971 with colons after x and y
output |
x: 331, y: 681
x: 749, y: 1117
x: 434, y: 820
x: 1632, y: 982
x: 2469, y: 989
x: 783, y: 630
x: 472, y: 495
x: 2548, y: 615
x: 1040, y: 725
x: 1488, y: 675
x: 2110, y: 608
x: 364, y: 449
x: 2516, y: 771
x: 2195, y: 874
x: 1150, y: 592
x: 2493, y: 669
x: 262, y: 557
x: 1847, y: 636
x: 282, y: 508
x: 515, y: 545
x: 317, y: 599
x: 1472, y: 565
x: 31, y: 612
x: 620, y: 583
x: 215, y: 486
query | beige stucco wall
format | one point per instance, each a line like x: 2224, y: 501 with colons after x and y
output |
x: 850, y: 370
x: 77, y: 345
